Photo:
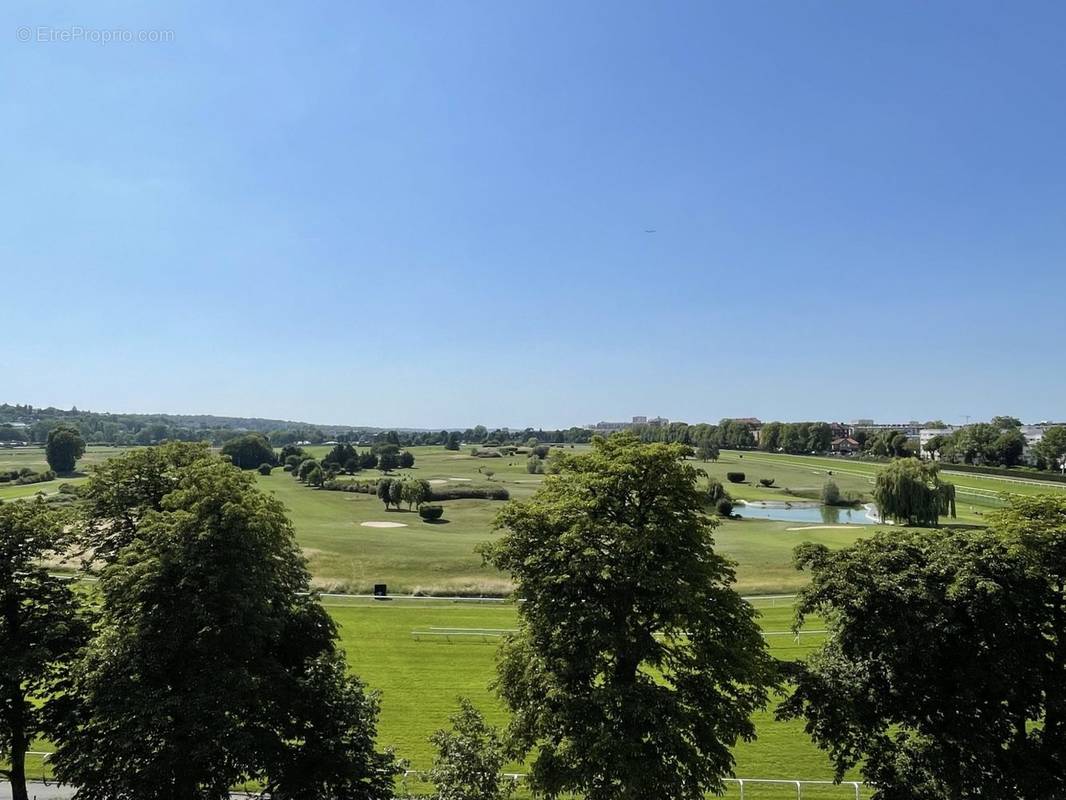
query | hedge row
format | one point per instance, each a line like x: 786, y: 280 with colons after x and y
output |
x: 469, y: 493
x: 435, y: 493
x: 26, y: 476
x: 1010, y: 472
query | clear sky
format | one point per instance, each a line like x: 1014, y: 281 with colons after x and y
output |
x: 434, y: 213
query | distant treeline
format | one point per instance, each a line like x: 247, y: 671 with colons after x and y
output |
x: 27, y: 424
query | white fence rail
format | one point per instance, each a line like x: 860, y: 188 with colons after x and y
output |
x: 744, y: 785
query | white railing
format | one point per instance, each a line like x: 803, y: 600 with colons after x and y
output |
x: 741, y: 783
x: 773, y: 599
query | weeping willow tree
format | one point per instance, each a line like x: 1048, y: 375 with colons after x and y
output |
x: 910, y: 491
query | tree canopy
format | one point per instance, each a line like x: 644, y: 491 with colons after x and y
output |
x: 910, y: 491
x: 944, y: 673
x: 470, y: 759
x: 121, y: 492
x: 249, y: 451
x: 636, y: 666
x: 42, y: 628
x: 63, y: 448
x: 214, y: 663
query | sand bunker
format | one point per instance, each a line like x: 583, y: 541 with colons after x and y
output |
x: 383, y: 524
x: 465, y: 480
x: 437, y: 481
x: 824, y: 528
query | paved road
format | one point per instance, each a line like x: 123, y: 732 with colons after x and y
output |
x: 49, y: 791
x: 41, y: 791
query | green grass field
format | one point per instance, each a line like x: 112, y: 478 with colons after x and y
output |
x: 441, y: 559
x: 420, y: 679
x: 33, y: 457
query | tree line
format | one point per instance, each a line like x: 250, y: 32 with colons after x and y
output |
x: 990, y: 444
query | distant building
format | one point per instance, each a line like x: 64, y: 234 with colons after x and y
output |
x: 844, y: 446
x: 910, y: 429
x: 607, y: 428
x: 925, y: 434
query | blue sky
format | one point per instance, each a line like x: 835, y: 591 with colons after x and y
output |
x: 433, y: 214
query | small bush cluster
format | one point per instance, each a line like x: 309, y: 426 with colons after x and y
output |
x: 767, y: 482
x: 431, y: 513
x: 724, y: 507
x: 24, y: 476
x: 715, y: 491
x: 436, y: 493
x: 735, y: 477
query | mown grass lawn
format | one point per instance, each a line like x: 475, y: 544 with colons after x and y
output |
x: 420, y: 680
x: 441, y: 559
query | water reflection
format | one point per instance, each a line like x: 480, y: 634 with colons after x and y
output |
x: 815, y: 513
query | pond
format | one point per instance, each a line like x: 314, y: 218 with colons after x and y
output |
x: 811, y: 513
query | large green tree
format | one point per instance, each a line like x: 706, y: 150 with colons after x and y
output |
x: 41, y: 631
x: 636, y: 666
x: 249, y: 451
x: 944, y: 674
x: 911, y: 492
x: 1008, y: 448
x: 63, y: 448
x: 121, y: 492
x: 470, y: 759
x: 1052, y: 446
x: 214, y: 663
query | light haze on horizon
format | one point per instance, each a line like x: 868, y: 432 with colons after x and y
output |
x: 434, y: 215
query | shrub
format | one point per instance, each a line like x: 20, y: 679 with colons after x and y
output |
x: 431, y: 513
x: 715, y: 491
x: 470, y: 759
x: 767, y: 482
x: 469, y: 493
x: 534, y: 466
x: 265, y: 469
x: 735, y: 477
x: 289, y: 467
x: 28, y: 476
x: 724, y: 507
x: 305, y: 468
x: 830, y: 493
